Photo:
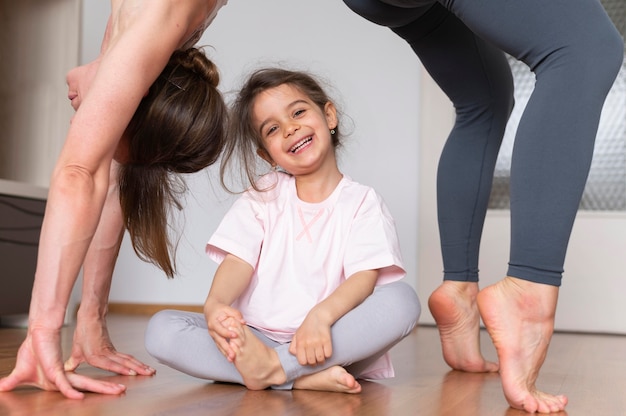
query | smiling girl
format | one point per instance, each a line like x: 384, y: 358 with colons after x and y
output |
x: 307, y: 292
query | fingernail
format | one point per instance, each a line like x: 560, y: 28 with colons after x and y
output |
x: 132, y: 373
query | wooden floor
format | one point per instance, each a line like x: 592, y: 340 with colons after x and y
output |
x: 590, y: 369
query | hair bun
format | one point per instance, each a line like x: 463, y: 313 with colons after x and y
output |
x: 195, y: 60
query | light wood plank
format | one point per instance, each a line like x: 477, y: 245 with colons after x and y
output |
x: 590, y: 369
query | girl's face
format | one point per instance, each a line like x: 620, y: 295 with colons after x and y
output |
x: 294, y: 130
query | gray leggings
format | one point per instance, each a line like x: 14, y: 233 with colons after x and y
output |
x: 181, y: 339
x: 575, y: 52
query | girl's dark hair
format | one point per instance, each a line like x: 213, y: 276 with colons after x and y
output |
x: 178, y: 128
x: 244, y: 140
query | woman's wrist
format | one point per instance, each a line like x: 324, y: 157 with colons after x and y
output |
x: 91, y: 313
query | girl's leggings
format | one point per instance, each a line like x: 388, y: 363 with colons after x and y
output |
x: 575, y: 52
x: 181, y: 340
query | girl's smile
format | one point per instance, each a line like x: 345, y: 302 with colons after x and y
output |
x: 301, y: 144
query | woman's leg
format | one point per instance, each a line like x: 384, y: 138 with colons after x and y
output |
x: 476, y: 77
x: 575, y: 52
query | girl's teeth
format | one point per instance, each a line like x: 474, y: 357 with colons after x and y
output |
x: 300, y: 144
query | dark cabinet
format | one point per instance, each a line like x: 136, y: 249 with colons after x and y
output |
x: 21, y: 214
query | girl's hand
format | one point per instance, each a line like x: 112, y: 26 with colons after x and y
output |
x: 93, y: 345
x: 219, y: 319
x: 39, y: 364
x: 312, y: 343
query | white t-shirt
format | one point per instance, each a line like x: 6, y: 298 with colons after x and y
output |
x: 301, y: 252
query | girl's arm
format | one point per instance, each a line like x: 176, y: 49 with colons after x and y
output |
x: 312, y: 342
x: 231, y: 278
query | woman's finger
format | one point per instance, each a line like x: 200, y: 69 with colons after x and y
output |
x: 85, y: 383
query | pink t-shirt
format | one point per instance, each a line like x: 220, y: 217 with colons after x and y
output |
x: 301, y: 252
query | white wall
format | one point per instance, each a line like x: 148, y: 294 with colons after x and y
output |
x: 375, y: 75
x: 38, y: 44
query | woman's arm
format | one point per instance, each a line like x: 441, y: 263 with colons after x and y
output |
x: 312, y: 342
x: 92, y: 343
x: 127, y: 67
x: 139, y: 42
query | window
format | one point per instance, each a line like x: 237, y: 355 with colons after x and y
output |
x: 606, y: 185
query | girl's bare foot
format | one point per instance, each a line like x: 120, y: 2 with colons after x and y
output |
x: 519, y: 316
x: 335, y: 379
x: 258, y: 364
x: 453, y: 305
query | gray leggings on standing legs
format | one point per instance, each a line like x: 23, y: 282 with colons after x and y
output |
x: 181, y: 340
x: 575, y: 52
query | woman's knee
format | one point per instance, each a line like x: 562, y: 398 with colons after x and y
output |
x: 608, y: 52
x: 491, y: 105
x: 591, y: 61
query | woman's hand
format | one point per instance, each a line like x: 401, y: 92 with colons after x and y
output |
x: 312, y: 343
x: 39, y: 364
x: 92, y: 345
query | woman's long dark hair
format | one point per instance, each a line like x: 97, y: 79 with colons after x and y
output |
x: 178, y: 128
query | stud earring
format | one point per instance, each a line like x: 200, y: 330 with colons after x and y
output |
x: 332, y: 131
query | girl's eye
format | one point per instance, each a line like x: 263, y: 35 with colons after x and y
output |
x: 298, y: 113
x: 270, y: 130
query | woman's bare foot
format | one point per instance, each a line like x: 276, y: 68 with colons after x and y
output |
x: 335, y: 379
x: 258, y: 364
x: 453, y: 305
x: 519, y: 316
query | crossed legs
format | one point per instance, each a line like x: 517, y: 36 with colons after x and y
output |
x: 360, y: 338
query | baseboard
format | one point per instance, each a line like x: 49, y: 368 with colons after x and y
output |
x: 149, y: 309
x: 21, y: 320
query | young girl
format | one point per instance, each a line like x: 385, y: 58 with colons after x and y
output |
x: 307, y: 294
